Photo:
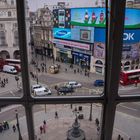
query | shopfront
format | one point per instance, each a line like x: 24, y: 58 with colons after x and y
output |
x: 81, y: 59
x: 63, y: 55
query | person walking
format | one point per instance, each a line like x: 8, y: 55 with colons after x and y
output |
x: 14, y: 128
x: 119, y: 137
x: 98, y: 130
x: 97, y: 122
x: 56, y: 115
x: 41, y: 129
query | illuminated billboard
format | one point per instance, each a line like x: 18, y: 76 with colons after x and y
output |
x: 131, y: 44
x: 78, y: 24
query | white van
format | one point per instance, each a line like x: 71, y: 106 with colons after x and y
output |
x: 41, y: 91
x: 9, y: 69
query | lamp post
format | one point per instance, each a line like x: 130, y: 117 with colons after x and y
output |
x: 17, y: 79
x: 90, y: 116
x: 20, y: 137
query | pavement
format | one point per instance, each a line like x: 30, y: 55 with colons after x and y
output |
x: 56, y: 129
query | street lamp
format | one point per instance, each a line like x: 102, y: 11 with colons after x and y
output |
x: 20, y: 137
x: 90, y: 116
x: 17, y: 79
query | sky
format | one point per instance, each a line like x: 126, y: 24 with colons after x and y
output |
x: 35, y: 4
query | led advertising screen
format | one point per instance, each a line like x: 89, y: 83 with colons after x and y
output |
x: 78, y: 24
x: 88, y: 17
x: 131, y: 44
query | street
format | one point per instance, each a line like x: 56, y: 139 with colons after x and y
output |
x: 126, y: 111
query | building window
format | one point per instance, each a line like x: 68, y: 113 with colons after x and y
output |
x: 9, y: 14
x: 1, y: 26
x: 2, y: 38
x: 12, y: 2
x: 16, y: 39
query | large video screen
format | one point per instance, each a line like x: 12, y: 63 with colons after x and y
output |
x: 130, y: 48
x: 78, y: 24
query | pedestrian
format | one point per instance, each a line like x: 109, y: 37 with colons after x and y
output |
x: 44, y: 122
x: 4, y: 125
x: 14, y: 128
x: 75, y: 109
x: 56, y: 115
x: 6, y: 80
x: 44, y: 128
x: 74, y: 71
x: 98, y: 130
x: 7, y: 125
x: 97, y: 121
x: 80, y: 71
x: 119, y: 137
x: 65, y: 69
x: 41, y: 129
x: 1, y: 128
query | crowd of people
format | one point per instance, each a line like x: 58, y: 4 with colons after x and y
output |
x: 3, y: 82
x: 4, y: 126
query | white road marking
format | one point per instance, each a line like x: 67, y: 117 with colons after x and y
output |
x: 128, y: 108
x: 120, y: 131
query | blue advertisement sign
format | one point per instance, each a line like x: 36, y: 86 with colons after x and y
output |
x: 62, y: 33
x: 99, y: 35
x: 131, y: 36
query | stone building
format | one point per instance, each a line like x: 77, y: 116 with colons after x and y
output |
x: 41, y: 32
x: 9, y: 42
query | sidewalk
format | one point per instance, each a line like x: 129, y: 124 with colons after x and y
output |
x: 57, y: 128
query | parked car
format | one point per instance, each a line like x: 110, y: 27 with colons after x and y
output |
x: 9, y: 69
x: 98, y: 83
x: 64, y: 90
x: 74, y: 84
x: 35, y: 87
x: 39, y: 90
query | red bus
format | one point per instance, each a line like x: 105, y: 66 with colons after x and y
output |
x: 2, y: 62
x: 130, y: 77
x: 14, y: 62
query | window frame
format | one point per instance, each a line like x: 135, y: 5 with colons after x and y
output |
x: 109, y: 99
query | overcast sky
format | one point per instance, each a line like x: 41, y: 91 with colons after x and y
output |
x: 35, y: 4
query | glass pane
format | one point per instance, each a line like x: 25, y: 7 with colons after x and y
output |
x: 67, y: 48
x: 57, y: 121
x: 127, y: 122
x: 11, y: 117
x: 10, y: 65
x: 130, y: 68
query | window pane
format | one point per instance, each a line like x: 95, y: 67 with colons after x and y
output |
x: 130, y: 69
x: 127, y: 122
x: 71, y: 49
x: 9, y: 124
x: 10, y: 65
x: 58, y: 124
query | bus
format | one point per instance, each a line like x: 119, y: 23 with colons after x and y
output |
x: 14, y: 62
x: 130, y: 77
x: 2, y: 63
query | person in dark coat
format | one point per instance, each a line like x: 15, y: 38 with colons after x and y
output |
x: 14, y: 128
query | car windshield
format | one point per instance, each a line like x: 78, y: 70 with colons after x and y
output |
x: 46, y: 90
x: 37, y: 87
